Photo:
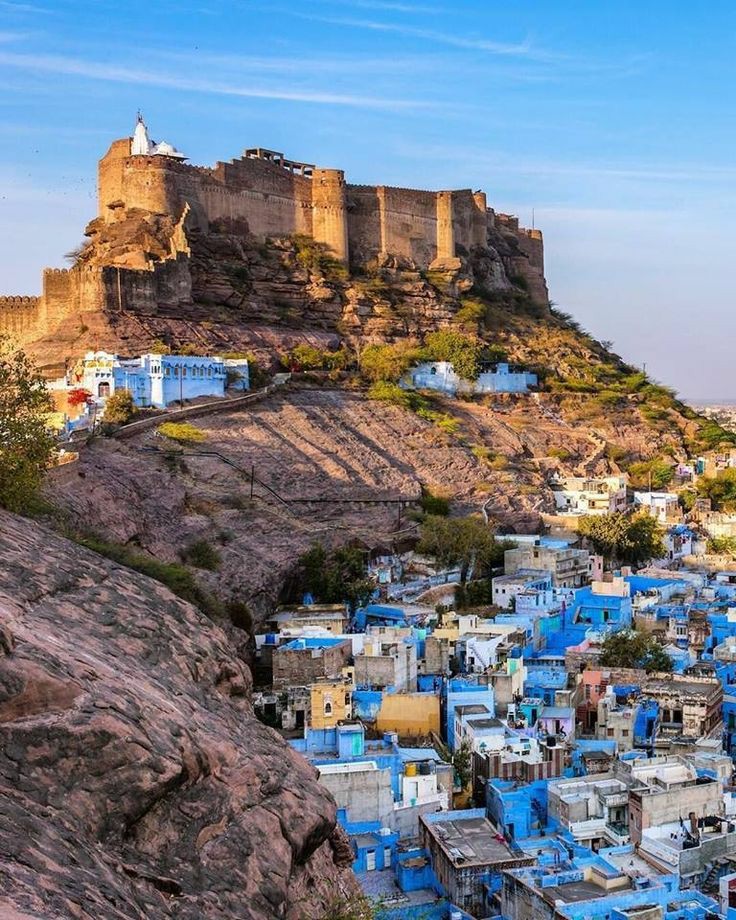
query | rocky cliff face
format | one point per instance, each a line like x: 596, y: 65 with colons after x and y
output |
x: 134, y: 779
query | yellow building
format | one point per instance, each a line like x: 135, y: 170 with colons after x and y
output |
x: 331, y: 702
x: 409, y: 714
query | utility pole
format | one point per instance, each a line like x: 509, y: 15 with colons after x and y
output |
x: 181, y: 386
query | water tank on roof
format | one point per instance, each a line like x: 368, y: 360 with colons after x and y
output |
x: 411, y: 769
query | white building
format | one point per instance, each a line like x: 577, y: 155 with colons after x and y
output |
x: 440, y: 375
x: 153, y: 380
x: 664, y: 506
x: 581, y: 495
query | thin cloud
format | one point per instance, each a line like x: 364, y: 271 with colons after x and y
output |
x: 76, y: 67
x: 392, y: 7
x: 518, y: 49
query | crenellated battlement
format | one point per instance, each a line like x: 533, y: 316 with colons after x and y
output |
x: 18, y: 301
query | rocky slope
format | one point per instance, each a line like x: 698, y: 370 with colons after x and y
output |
x: 135, y: 781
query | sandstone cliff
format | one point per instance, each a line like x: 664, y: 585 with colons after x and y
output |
x: 134, y: 779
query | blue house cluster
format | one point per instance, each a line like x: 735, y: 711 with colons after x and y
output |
x: 490, y: 764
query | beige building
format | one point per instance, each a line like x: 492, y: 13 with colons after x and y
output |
x: 570, y: 568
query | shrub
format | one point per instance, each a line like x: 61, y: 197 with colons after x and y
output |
x: 559, y: 453
x: 388, y: 362
x: 159, y: 347
x: 202, y: 555
x: 461, y: 350
x: 435, y: 504
x: 471, y: 313
x: 120, y: 408
x: 78, y: 396
x: 393, y: 394
x: 183, y: 432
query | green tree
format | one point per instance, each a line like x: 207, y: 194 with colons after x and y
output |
x: 629, y: 648
x: 467, y: 542
x: 120, y: 408
x: 26, y: 444
x: 462, y: 761
x: 335, y: 577
x: 654, y: 474
x: 461, y: 350
x: 624, y: 539
x: 720, y: 489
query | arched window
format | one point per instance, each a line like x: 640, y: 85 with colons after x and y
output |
x: 434, y: 370
x: 176, y: 370
x: 183, y: 372
x: 209, y: 371
x: 328, y: 708
x: 103, y: 389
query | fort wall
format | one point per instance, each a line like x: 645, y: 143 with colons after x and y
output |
x: 358, y: 223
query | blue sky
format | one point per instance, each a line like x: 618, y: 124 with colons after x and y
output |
x: 613, y: 122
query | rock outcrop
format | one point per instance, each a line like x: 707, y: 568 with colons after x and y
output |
x: 135, y: 781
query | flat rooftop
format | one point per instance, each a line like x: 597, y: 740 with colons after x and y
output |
x: 576, y: 891
x: 470, y: 841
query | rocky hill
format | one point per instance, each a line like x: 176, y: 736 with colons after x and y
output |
x: 135, y: 781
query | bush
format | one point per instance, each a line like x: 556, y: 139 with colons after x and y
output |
x: 472, y: 312
x: 392, y: 393
x: 120, y: 408
x: 435, y: 504
x: 184, y: 432
x: 462, y: 351
x: 202, y: 555
x: 388, y: 362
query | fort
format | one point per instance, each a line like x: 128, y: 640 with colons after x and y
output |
x: 265, y: 196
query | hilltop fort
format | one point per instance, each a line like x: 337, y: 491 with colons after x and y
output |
x: 180, y: 241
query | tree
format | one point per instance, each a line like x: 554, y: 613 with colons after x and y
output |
x: 629, y: 648
x: 120, y: 407
x: 335, y: 577
x: 654, y: 474
x: 462, y: 762
x: 78, y: 396
x: 720, y: 489
x: 467, y: 542
x: 26, y: 444
x: 461, y: 350
x: 624, y: 539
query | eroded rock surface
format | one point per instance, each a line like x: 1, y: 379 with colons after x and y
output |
x: 135, y: 781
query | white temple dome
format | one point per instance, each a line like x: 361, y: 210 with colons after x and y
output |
x: 143, y: 146
x: 164, y: 149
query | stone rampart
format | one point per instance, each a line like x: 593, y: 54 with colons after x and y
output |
x: 358, y: 222
x: 19, y: 316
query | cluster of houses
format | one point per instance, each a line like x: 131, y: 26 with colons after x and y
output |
x: 487, y: 764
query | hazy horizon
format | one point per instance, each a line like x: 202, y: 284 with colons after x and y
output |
x: 604, y: 125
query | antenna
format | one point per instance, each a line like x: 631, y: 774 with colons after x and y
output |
x: 532, y: 218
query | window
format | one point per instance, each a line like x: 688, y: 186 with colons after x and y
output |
x: 625, y: 732
x: 328, y: 708
x: 209, y: 371
x: 103, y: 389
x: 176, y: 371
x: 611, y: 733
x: 183, y: 372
